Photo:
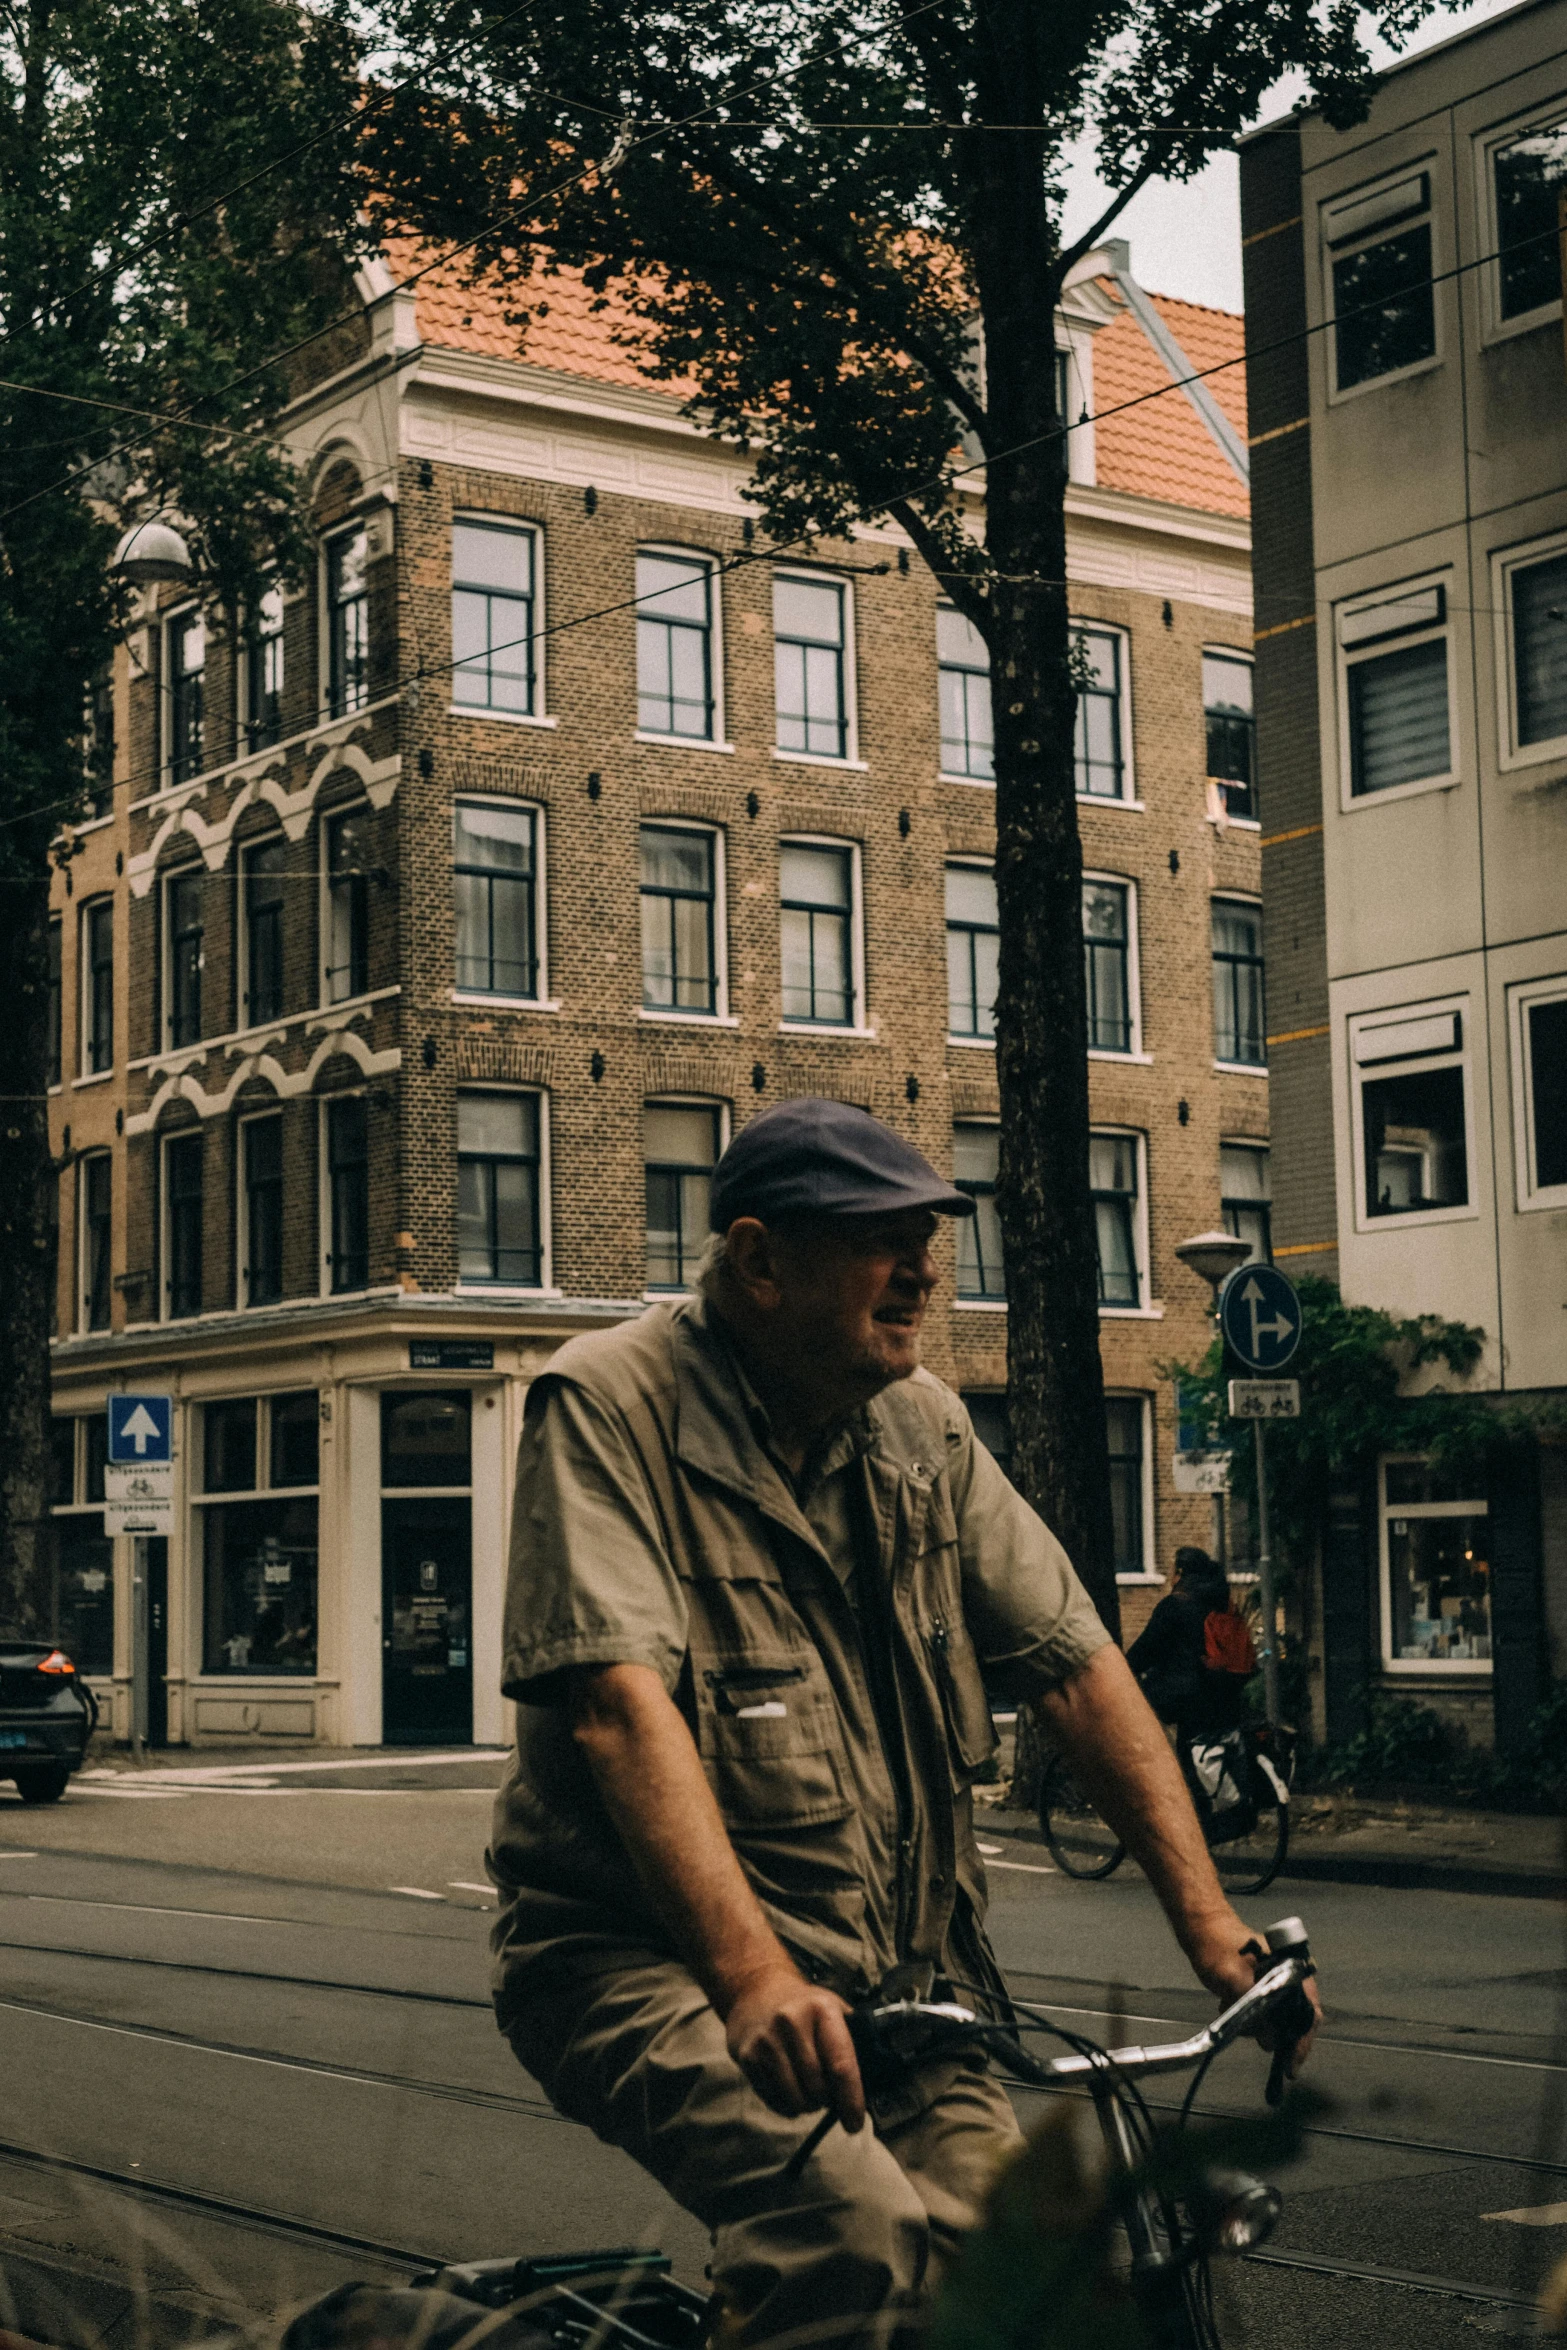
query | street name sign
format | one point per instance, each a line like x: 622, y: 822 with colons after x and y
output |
x: 1259, y: 1314
x: 141, y: 1429
x: 1264, y: 1399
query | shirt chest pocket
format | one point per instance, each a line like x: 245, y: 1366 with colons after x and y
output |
x: 769, y: 1737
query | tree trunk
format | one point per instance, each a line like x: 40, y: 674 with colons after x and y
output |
x: 27, y: 1258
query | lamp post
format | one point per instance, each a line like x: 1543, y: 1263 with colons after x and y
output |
x: 1214, y: 1256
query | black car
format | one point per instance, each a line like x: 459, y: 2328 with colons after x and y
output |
x: 47, y: 1715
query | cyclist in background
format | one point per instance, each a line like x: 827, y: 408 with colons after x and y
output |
x: 1194, y: 1656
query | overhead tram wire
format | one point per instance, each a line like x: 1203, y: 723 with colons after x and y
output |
x: 776, y: 547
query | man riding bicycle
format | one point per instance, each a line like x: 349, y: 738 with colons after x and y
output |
x: 758, y: 1561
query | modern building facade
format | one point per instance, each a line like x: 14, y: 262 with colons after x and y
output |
x: 444, y: 926
x: 1409, y: 441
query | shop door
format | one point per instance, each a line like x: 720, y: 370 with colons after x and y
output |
x: 426, y: 1621
x: 157, y: 1640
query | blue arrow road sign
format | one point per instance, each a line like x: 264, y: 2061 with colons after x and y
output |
x: 141, y: 1428
x: 1260, y: 1317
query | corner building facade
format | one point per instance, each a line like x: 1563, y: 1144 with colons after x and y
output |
x: 459, y: 913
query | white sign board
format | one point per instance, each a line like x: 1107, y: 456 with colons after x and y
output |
x: 1202, y: 1472
x: 138, y: 1500
x: 1264, y: 1399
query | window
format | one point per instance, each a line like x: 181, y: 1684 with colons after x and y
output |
x: 1239, y: 1032
x: 262, y: 882
x: 680, y: 1145
x: 816, y: 900
x: 346, y: 969
x: 675, y: 645
x: 94, y: 1194
x: 182, y: 1183
x: 347, y: 622
x: 186, y: 955
x: 1534, y: 602
x: 808, y: 663
x: 1231, y: 725
x: 992, y: 1424
x: 1125, y: 1418
x: 1528, y: 174
x: 348, y: 1193
x: 492, y: 616
x: 262, y: 1153
x: 973, y: 936
x: 1436, y: 1575
x: 187, y: 692
x: 1101, y: 762
x: 1384, y: 315
x: 259, y: 1540
x: 1107, y: 966
x: 963, y: 684
x: 498, y: 1190
x: 1540, y: 1076
x: 1112, y: 1179
x: 98, y: 743
x: 976, y: 1158
x: 1245, y: 1197
x: 264, y: 672
x: 97, y: 986
x: 1396, y: 694
x: 678, y: 890
x: 496, y: 869
x: 84, y: 1559
x: 1413, y: 1129
x: 56, y: 1003
x: 426, y: 1439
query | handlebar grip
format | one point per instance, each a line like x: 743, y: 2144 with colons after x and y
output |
x: 1295, y: 2019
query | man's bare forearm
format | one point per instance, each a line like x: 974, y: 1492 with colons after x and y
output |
x: 655, y: 1790
x: 1112, y: 1738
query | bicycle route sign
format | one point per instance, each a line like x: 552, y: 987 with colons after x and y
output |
x: 1259, y: 1314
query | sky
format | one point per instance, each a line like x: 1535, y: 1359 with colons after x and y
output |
x: 1187, y: 240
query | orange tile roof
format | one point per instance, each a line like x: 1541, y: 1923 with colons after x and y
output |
x: 1159, y: 449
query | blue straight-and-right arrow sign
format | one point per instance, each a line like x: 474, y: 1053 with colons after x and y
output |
x: 1259, y: 1314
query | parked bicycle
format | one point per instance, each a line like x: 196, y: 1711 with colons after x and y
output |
x: 626, y: 2299
x: 1240, y: 1785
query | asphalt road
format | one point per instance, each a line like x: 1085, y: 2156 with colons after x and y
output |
x: 245, y: 2018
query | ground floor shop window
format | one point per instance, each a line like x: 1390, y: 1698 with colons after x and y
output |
x: 260, y: 1574
x: 1436, y: 1572
x: 84, y: 1593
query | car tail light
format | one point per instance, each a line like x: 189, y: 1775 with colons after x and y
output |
x: 57, y: 1662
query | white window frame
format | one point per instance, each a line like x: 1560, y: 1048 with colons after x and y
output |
x: 947, y: 774
x: 242, y: 1303
x: 821, y: 576
x: 1418, y: 166
x: 539, y: 714
x: 166, y: 1142
x: 681, y: 1101
x: 80, y: 1318
x: 1352, y: 803
x: 831, y: 840
x: 325, y: 821
x: 543, y: 1001
x: 1134, y: 974
x: 1362, y: 1024
x: 243, y: 680
x: 1143, y: 1311
x: 1253, y: 904
x: 86, y: 1073
x: 325, y: 714
x: 1505, y: 565
x: 1237, y: 653
x: 1088, y: 623
x: 1447, y: 1668
x: 976, y: 864
x: 1261, y: 1146
x: 718, y: 740
x: 1519, y: 1000
x: 1494, y: 328
x: 720, y: 1016
x: 201, y: 1501
x: 546, y: 1281
x: 168, y: 622
x: 977, y: 1305
x: 1149, y: 1570
x: 324, y: 1192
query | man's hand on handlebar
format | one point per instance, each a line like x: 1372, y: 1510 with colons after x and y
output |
x: 1224, y: 1963
x: 791, y: 2040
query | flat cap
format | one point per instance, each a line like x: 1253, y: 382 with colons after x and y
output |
x: 813, y: 1157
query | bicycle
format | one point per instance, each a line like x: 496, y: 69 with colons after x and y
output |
x: 1172, y: 2219
x: 1249, y: 1840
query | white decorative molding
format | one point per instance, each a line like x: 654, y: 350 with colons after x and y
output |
x: 186, y: 1087
x: 294, y: 809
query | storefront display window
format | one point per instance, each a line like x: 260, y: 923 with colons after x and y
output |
x: 1436, y: 1572
x: 84, y: 1570
x: 258, y: 1546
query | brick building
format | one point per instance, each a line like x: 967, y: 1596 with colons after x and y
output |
x: 443, y: 928
x: 1409, y: 400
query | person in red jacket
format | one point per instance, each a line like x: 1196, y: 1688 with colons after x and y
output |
x: 1194, y: 1656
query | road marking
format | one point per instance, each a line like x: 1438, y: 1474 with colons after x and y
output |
x: 1031, y: 1868
x: 461, y: 1885
x: 396, y: 1760
x: 1533, y: 2215
x: 17, y: 1855
x: 417, y: 1892
x: 139, y: 1794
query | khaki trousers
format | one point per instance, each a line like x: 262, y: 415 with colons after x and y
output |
x: 846, y: 2254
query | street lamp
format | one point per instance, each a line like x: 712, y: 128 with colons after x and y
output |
x: 1215, y: 1255
x: 152, y: 554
